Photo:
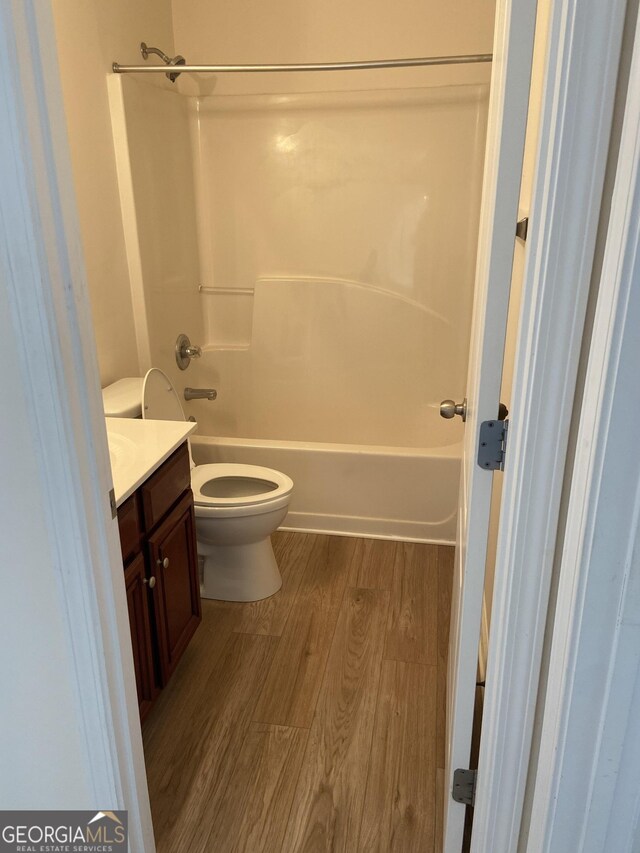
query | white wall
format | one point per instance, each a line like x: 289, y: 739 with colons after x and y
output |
x: 90, y: 35
x: 41, y: 737
x: 241, y: 31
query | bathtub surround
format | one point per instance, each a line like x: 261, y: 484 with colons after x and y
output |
x: 330, y: 355
x: 337, y: 237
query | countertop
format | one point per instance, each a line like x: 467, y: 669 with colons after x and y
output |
x: 138, y: 447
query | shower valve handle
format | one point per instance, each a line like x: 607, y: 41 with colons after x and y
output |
x: 185, y: 351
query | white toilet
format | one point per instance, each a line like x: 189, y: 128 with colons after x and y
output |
x: 237, y: 507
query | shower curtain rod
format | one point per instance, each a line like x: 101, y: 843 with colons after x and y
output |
x: 465, y: 59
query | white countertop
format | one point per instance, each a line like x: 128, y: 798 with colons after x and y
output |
x: 137, y: 448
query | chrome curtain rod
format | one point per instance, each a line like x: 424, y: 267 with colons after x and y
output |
x: 466, y: 59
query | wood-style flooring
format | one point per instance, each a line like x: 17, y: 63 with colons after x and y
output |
x: 313, y: 720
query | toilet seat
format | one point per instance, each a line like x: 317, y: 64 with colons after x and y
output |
x: 222, y: 484
x: 220, y: 490
x: 160, y: 402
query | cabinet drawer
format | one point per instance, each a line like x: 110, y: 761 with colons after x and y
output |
x: 163, y: 488
x: 130, y: 527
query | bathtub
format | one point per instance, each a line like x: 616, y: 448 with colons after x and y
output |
x: 401, y: 493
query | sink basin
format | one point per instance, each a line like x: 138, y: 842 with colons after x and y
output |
x: 122, y: 450
x: 137, y: 447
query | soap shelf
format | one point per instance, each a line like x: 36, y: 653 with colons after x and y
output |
x: 228, y: 316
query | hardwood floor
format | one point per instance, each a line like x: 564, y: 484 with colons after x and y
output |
x: 314, y: 720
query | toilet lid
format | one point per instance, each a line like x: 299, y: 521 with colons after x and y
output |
x: 227, y: 484
x: 159, y: 399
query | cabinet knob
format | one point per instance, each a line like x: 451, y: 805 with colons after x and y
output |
x: 151, y: 581
x: 164, y: 563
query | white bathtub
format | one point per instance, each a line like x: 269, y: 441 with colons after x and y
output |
x: 352, y: 490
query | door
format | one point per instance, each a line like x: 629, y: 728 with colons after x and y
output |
x: 136, y: 584
x: 174, y: 563
x: 513, y: 48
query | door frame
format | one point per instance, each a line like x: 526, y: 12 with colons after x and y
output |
x: 70, y: 432
x: 43, y: 276
x: 587, y: 798
x: 573, y: 145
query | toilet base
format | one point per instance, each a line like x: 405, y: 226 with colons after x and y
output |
x: 239, y: 572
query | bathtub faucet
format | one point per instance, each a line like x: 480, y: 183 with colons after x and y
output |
x: 200, y: 393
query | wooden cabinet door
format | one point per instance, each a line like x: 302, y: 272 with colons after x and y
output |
x: 173, y: 560
x: 141, y: 643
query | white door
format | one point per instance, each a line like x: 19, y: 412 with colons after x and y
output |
x: 513, y: 47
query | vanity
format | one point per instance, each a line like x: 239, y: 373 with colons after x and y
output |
x: 152, y: 485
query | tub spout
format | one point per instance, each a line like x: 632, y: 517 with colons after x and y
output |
x: 200, y: 393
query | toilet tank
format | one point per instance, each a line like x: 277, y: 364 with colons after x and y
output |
x: 123, y: 399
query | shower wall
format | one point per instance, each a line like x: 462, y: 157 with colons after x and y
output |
x: 337, y: 236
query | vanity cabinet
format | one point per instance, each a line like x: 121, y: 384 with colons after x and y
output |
x: 157, y: 537
x: 136, y: 581
x: 172, y: 551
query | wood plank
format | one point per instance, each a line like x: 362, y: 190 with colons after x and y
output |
x: 188, y: 777
x: 253, y: 813
x: 270, y: 615
x: 190, y: 679
x: 372, y: 564
x: 327, y: 808
x: 445, y: 580
x: 399, y: 810
x: 292, y: 685
x: 221, y: 782
x: 412, y: 631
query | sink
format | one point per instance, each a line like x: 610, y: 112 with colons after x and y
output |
x: 122, y: 451
x: 137, y: 447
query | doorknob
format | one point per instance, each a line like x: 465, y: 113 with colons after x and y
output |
x: 449, y: 409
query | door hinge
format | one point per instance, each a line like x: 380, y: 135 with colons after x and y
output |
x: 112, y: 503
x: 464, y: 786
x: 492, y: 445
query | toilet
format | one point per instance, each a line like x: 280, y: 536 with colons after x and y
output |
x: 237, y: 507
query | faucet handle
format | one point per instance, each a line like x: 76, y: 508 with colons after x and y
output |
x: 185, y: 351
